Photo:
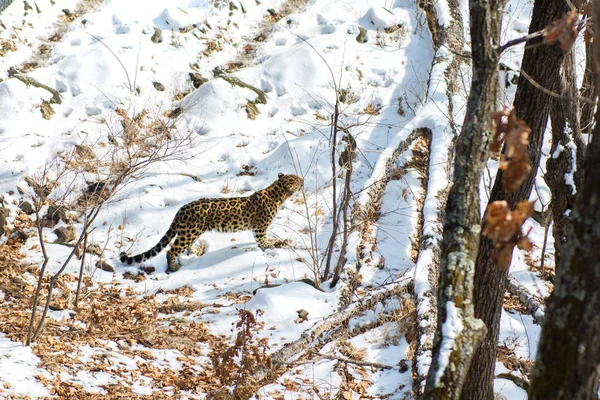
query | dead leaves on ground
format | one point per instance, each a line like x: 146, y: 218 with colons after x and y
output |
x: 235, y: 364
x: 372, y: 109
x: 505, y: 229
x: 115, y: 325
x: 6, y: 46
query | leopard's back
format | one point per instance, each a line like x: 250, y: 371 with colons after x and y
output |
x: 221, y: 215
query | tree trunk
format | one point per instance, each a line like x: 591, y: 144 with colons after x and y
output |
x: 568, y: 360
x: 458, y: 331
x: 542, y: 64
x: 448, y: 42
x: 564, y: 173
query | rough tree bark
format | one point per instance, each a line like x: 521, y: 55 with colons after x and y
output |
x: 540, y: 63
x: 458, y: 331
x: 566, y: 153
x: 448, y: 43
x: 568, y: 359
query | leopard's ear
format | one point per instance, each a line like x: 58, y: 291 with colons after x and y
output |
x: 280, y: 175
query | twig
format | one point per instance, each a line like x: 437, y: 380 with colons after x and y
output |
x: 29, y: 81
x: 312, y: 228
x: 554, y: 94
x: 350, y: 154
x: 544, y: 245
x: 113, y: 53
x: 133, y: 165
x: 81, y: 266
x: 90, y: 219
x: 334, y: 214
x: 333, y: 141
x: 517, y: 380
x: 320, y: 356
x: 235, y: 81
x: 40, y: 275
x: 522, y: 39
x: 579, y: 25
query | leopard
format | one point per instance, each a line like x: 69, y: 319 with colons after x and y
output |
x: 255, y: 213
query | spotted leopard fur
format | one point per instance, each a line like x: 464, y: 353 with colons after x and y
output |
x: 255, y: 213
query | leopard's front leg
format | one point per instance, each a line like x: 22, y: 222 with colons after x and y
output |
x: 263, y: 241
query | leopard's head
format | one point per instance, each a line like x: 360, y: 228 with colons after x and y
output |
x: 291, y: 182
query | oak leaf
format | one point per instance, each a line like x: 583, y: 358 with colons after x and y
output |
x: 513, y: 132
x: 505, y: 229
x: 563, y: 30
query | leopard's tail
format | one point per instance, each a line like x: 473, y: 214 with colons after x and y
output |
x: 164, y: 242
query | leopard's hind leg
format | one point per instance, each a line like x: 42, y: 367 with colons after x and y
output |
x: 183, y: 242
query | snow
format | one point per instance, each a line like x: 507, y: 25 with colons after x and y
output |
x: 444, y: 15
x: 18, y: 366
x: 105, y: 63
x: 386, y: 381
x: 283, y: 302
x: 509, y: 390
x: 176, y: 18
x: 558, y: 151
x: 451, y: 328
x: 519, y: 333
x: 380, y: 17
x: 570, y: 176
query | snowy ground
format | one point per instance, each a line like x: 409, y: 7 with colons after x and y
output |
x: 101, y: 58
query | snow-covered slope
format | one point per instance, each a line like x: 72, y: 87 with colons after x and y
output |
x: 116, y: 61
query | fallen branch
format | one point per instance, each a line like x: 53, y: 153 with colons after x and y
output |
x: 29, y: 81
x: 308, y: 338
x: 427, y: 262
x: 372, y: 204
x: 261, y: 99
x: 534, y: 307
x: 319, y: 357
x: 517, y: 380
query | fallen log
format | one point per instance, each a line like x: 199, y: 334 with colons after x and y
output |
x: 534, y: 306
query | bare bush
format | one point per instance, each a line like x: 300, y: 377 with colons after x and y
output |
x: 80, y: 182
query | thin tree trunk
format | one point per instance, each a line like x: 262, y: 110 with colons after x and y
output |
x: 458, y: 331
x: 564, y: 173
x: 541, y: 63
x: 588, y: 91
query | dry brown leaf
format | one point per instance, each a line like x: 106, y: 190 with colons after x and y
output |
x: 563, y: 30
x: 505, y: 229
x: 372, y: 110
x: 514, y: 133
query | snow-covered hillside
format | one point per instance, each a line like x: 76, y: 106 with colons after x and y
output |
x: 86, y: 86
